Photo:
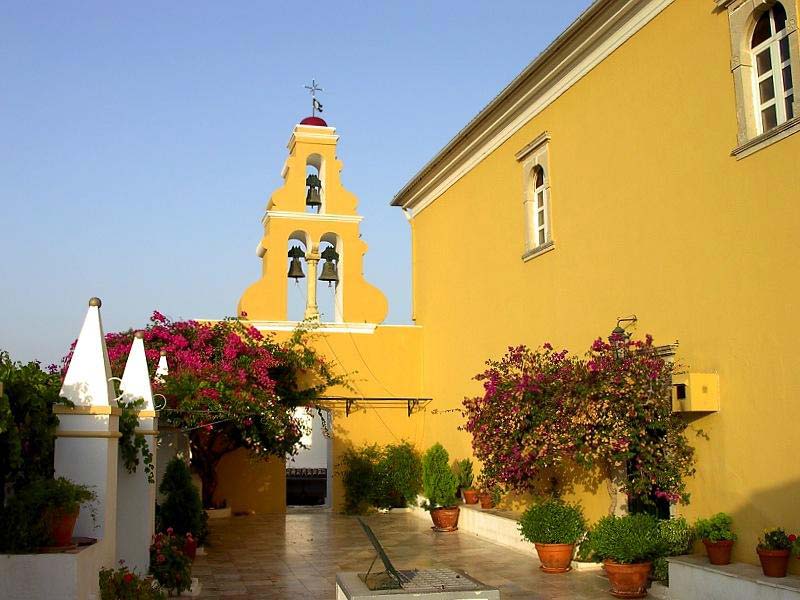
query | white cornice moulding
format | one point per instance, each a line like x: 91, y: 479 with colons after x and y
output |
x: 286, y: 214
x: 364, y: 328
x: 537, y: 143
x: 586, y: 54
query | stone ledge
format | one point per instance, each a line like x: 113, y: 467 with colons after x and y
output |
x: 693, y: 576
x: 500, y: 527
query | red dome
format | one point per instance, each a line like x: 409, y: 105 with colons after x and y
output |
x: 315, y: 121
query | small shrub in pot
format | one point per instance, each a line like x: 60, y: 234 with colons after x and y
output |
x: 627, y: 546
x: 774, y: 549
x: 678, y: 537
x: 439, y: 485
x: 718, y: 537
x: 554, y: 526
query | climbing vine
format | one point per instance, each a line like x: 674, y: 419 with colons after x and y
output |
x: 133, y: 444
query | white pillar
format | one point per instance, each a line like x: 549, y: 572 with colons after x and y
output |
x: 87, y: 435
x: 136, y: 498
x: 312, y: 310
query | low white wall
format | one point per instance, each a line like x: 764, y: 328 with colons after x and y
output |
x: 52, y: 576
x: 694, y: 577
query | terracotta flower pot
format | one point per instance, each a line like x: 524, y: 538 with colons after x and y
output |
x: 470, y: 496
x: 190, y: 548
x: 445, y: 519
x: 774, y: 563
x: 486, y: 500
x: 556, y: 558
x: 62, y: 524
x: 719, y: 553
x: 628, y: 581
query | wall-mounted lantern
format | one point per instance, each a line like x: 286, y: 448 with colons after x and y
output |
x: 619, y: 337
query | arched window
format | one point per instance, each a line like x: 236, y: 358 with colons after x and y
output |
x: 772, y: 76
x: 541, y: 218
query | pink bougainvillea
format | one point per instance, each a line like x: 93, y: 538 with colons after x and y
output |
x: 229, y: 386
x: 543, y: 412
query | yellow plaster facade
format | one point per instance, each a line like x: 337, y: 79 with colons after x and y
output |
x: 651, y: 214
x: 657, y: 207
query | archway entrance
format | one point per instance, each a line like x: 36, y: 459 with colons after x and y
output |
x: 309, y: 474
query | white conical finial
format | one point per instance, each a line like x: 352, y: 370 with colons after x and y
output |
x: 136, y: 377
x: 87, y: 382
x: 163, y: 368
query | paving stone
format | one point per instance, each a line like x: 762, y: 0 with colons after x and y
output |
x: 297, y: 555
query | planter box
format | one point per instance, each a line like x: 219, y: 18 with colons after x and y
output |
x: 66, y: 576
x: 694, y: 577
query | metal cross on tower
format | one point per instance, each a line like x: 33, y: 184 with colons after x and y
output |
x: 315, y: 104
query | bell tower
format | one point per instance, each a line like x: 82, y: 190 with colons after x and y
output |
x: 315, y: 218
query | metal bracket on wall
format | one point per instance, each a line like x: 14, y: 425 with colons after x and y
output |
x: 410, y: 404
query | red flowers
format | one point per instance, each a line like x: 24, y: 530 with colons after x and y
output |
x: 792, y: 538
x: 127, y: 577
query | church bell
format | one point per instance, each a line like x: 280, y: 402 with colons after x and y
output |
x: 329, y: 271
x: 312, y: 197
x: 295, y: 267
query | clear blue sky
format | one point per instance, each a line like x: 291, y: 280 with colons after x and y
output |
x: 140, y: 141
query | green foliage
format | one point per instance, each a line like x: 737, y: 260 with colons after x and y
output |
x: 552, y: 521
x: 716, y: 528
x: 629, y: 539
x: 168, y: 564
x: 24, y: 522
x: 399, y: 475
x: 182, y: 509
x: 123, y: 584
x: 27, y: 423
x: 463, y: 469
x: 678, y: 538
x: 389, y: 477
x: 438, y: 480
x: 360, y: 478
x: 776, y: 539
x: 585, y: 551
x: 132, y: 444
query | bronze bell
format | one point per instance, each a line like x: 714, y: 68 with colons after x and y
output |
x: 329, y: 271
x: 295, y: 267
x: 314, y: 186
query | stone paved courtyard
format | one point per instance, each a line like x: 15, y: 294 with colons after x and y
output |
x: 297, y: 555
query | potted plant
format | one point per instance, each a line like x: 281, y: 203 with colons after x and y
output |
x: 717, y: 536
x: 51, y: 508
x: 774, y: 549
x: 182, y: 509
x: 554, y: 527
x: 465, y: 479
x: 627, y: 546
x: 170, y: 567
x: 122, y: 583
x: 678, y: 537
x: 439, y: 484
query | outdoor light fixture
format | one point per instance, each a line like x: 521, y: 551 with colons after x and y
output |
x: 619, y: 337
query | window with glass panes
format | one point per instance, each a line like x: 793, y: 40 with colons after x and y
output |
x: 541, y: 233
x: 773, y: 72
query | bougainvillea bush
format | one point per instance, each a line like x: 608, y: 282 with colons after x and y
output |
x: 544, y: 412
x: 229, y: 386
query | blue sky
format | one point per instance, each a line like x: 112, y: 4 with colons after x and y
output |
x: 139, y: 142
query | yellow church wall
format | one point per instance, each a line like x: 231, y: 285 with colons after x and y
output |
x: 383, y: 370
x: 650, y: 216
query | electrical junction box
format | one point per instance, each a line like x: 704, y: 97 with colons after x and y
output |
x: 695, y: 392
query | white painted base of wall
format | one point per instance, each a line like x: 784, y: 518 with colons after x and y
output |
x: 500, y: 527
x: 694, y: 577
x: 218, y: 513
x: 65, y: 576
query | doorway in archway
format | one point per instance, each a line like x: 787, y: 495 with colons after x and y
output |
x: 309, y: 473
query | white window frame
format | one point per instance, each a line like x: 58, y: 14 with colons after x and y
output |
x: 742, y: 17
x: 535, y: 157
x: 772, y: 45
